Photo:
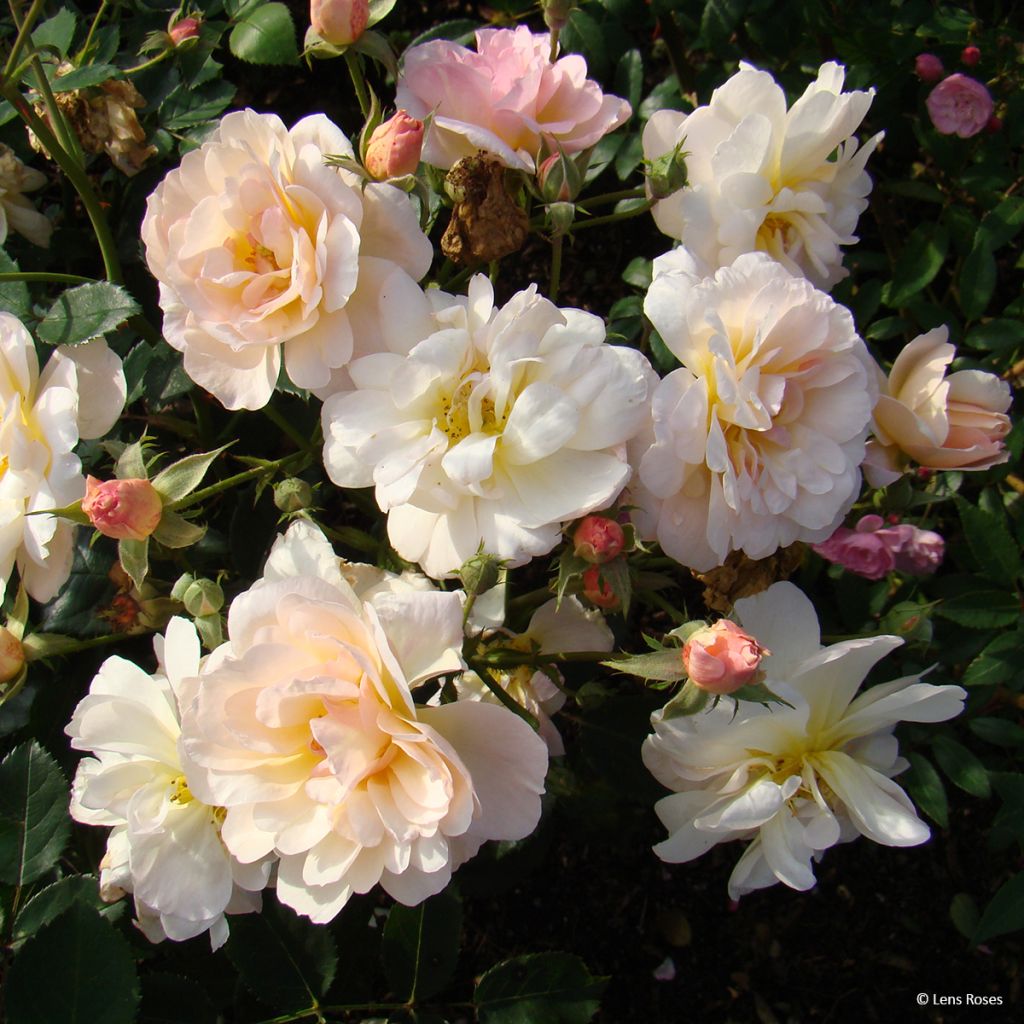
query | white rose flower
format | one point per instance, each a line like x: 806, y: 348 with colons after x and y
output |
x: 486, y: 426
x: 259, y: 246
x: 80, y: 393
x: 760, y: 177
x: 165, y: 846
x: 757, y: 439
x: 16, y: 212
x: 795, y: 780
x: 553, y: 628
x: 305, y: 730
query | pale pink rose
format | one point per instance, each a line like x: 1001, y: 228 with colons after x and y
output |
x: 339, y: 22
x: 722, y: 657
x: 959, y: 105
x: 394, y: 147
x: 122, y: 509
x: 865, y: 551
x: 954, y: 422
x: 263, y: 251
x: 928, y: 67
x: 920, y: 552
x: 506, y: 98
x: 598, y: 539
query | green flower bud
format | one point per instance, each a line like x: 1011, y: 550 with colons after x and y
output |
x: 203, y: 597
x: 480, y: 573
x: 667, y: 174
x: 293, y: 495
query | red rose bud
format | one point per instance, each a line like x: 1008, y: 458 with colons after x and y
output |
x: 928, y: 67
x: 122, y: 509
x: 394, y: 147
x: 339, y: 22
x: 995, y: 124
x: 12, y: 655
x: 970, y: 55
x: 597, y: 590
x: 722, y: 657
x: 186, y: 28
x: 598, y: 539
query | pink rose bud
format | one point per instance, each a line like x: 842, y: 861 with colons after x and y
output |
x: 186, y: 28
x: 864, y: 552
x: 928, y: 67
x: 597, y: 590
x: 122, y: 509
x: 722, y: 657
x: 394, y: 147
x: 959, y: 105
x: 339, y: 22
x: 598, y: 539
x: 12, y: 655
x: 921, y: 552
x: 970, y: 56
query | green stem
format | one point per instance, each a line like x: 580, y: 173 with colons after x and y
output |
x: 612, y: 197
x: 77, y: 177
x: 84, y: 52
x: 553, y: 53
x: 556, y: 267
x: 162, y: 55
x: 353, y: 538
x: 318, y: 1011
x: 503, y: 696
x: 23, y: 34
x: 355, y: 71
x: 613, y: 218
x: 287, y: 428
x: 232, y: 481
x: 45, y: 276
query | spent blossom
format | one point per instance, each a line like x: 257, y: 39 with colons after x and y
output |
x: 794, y: 778
x: 761, y: 178
x: 507, y: 98
x: 485, y: 426
x: 758, y: 438
x: 959, y: 105
x: 266, y: 255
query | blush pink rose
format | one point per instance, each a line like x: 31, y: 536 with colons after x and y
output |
x: 339, y: 22
x: 394, y: 147
x: 920, y: 552
x: 959, y: 105
x: 122, y: 509
x: 507, y: 98
x: 928, y: 67
x: 722, y: 657
x: 865, y: 550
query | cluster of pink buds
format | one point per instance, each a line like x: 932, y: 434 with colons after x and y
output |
x: 872, y: 549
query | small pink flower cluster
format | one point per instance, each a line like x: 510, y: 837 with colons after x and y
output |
x: 958, y: 105
x: 872, y: 549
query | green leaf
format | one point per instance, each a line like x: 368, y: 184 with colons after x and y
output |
x: 583, y: 34
x: 639, y: 272
x: 998, y: 663
x: 131, y: 463
x: 718, y: 22
x: 629, y: 77
x: 58, y: 31
x: 172, y: 999
x: 1004, y: 913
x: 285, y: 960
x: 990, y: 542
x: 34, y: 823
x: 918, y: 263
x: 82, y: 78
x: 977, y: 277
x: 379, y: 10
x: 998, y: 731
x: 52, y: 901
x: 85, y: 312
x: 961, y: 766
x: 458, y: 30
x: 924, y: 785
x: 185, y: 106
x: 87, y: 591
x: 998, y: 335
x: 543, y: 988
x: 666, y: 665
x: 963, y: 912
x: 265, y: 35
x: 420, y: 946
x: 134, y: 558
x: 376, y: 46
x: 76, y: 970
x: 175, y: 531
x: 984, y: 609
x: 1002, y: 224
x: 14, y: 297
x: 690, y: 700
x: 181, y: 478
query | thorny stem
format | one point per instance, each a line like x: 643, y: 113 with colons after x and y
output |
x: 232, y: 481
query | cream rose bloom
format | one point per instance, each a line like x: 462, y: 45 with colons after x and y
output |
x: 261, y: 249
x: 305, y: 730
x: 757, y: 439
x: 941, y: 422
x: 79, y: 394
x: 16, y: 212
x: 763, y: 178
x: 484, y: 426
x: 165, y: 846
x: 794, y: 780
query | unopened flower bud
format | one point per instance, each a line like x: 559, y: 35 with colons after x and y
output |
x: 560, y: 218
x: 598, y: 539
x: 480, y: 573
x: 970, y: 55
x: 597, y: 590
x: 183, y: 30
x: 722, y: 657
x: 122, y: 509
x: 559, y: 179
x: 928, y: 67
x: 203, y: 597
x: 667, y: 173
x: 339, y: 22
x: 556, y: 13
x: 995, y: 124
x: 394, y: 147
x: 12, y: 655
x: 293, y: 495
